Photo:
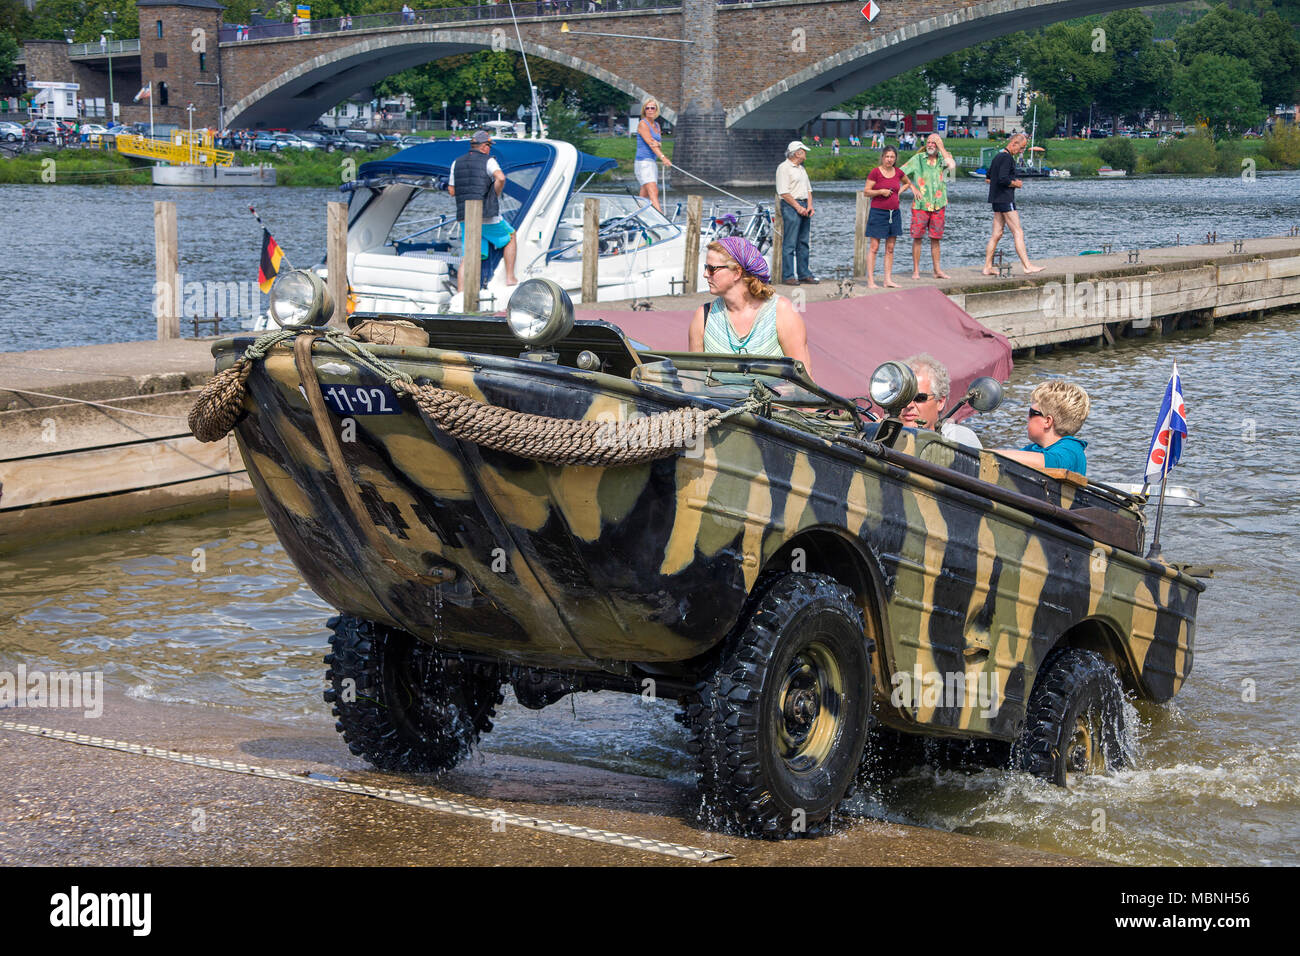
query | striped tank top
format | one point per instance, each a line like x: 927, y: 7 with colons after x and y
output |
x: 762, y: 339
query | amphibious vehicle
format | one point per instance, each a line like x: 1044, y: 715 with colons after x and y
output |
x: 534, y: 501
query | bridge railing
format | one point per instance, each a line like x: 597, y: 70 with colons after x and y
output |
x: 529, y: 9
x: 109, y: 46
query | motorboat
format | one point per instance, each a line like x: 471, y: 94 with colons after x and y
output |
x: 1106, y: 172
x: 404, y: 244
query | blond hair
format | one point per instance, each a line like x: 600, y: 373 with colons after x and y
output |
x: 757, y: 287
x: 646, y: 105
x: 1066, y: 402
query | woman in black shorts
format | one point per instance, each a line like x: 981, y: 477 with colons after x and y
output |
x: 884, y: 185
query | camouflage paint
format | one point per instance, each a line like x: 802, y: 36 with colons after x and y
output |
x: 646, y: 568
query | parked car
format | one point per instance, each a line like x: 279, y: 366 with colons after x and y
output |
x: 414, y: 140
x: 46, y: 129
x: 365, y: 138
x: 317, y: 140
x: 11, y: 132
x: 266, y: 142
x: 292, y: 141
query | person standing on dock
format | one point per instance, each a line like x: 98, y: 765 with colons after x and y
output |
x: 884, y: 185
x: 1002, y: 195
x: 928, y: 171
x: 795, y: 190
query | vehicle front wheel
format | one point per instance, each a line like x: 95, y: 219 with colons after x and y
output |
x: 1074, y: 724
x: 401, y: 704
x: 780, y: 726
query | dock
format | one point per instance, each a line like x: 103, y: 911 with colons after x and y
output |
x: 94, y: 438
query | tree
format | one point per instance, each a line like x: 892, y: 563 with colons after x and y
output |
x: 1061, y: 63
x: 566, y: 123
x: 9, y: 50
x: 85, y: 18
x: 1142, y: 72
x: 1045, y: 115
x: 978, y: 73
x: 1218, y: 91
x: 1265, y: 43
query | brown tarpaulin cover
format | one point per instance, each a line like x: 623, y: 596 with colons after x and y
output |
x: 849, y: 338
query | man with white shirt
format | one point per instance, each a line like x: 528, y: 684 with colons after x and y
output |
x: 932, y: 385
x: 477, y: 175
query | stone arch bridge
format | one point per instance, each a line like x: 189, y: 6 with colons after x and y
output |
x: 748, y: 77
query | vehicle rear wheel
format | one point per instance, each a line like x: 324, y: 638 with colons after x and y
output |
x: 780, y: 726
x: 401, y: 704
x: 1074, y: 724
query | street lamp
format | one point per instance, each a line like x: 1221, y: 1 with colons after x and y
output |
x: 69, y: 34
x: 110, y: 16
x: 190, y: 109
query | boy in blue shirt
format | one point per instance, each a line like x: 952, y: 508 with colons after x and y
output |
x: 1056, y: 411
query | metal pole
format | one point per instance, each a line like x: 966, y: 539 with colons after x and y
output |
x: 1154, y: 550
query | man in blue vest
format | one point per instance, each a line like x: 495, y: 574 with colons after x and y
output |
x: 477, y: 175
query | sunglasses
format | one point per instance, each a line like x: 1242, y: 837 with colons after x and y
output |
x: 1035, y: 413
x: 709, y: 270
x: 923, y: 397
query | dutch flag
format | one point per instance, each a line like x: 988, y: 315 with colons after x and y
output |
x: 1171, y: 428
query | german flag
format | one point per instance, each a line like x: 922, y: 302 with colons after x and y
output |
x: 270, y: 265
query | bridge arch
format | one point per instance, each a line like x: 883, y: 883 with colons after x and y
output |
x: 297, y: 96
x: 805, y: 94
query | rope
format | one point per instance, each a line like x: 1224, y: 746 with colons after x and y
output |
x: 743, y: 202
x: 86, y: 401
x: 557, y: 441
x: 406, y: 797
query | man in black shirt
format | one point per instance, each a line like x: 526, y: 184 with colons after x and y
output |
x: 1002, y: 195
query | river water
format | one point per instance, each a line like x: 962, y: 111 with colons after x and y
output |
x: 79, y: 260
x: 1216, y: 778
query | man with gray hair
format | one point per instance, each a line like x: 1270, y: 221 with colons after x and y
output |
x: 1002, y: 196
x: 795, y: 190
x: 932, y: 385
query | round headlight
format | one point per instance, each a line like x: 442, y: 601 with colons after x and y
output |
x: 540, y: 313
x: 299, y: 299
x: 893, y: 385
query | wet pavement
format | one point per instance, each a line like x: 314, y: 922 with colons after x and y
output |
x: 71, y: 804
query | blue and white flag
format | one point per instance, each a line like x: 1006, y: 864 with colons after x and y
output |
x: 1171, y: 428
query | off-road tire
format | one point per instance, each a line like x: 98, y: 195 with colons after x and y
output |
x: 409, y: 709
x: 752, y: 779
x: 1074, y: 723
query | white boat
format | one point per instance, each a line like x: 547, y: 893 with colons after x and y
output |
x: 404, y: 242
x: 213, y: 175
x: 1107, y: 173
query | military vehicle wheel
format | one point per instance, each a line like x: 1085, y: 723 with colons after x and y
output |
x: 1075, y: 720
x: 409, y: 708
x: 780, y: 727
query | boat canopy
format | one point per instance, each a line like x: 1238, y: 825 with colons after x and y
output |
x: 526, y: 162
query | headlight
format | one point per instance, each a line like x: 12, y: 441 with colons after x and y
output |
x: 540, y: 313
x: 893, y: 385
x: 300, y: 299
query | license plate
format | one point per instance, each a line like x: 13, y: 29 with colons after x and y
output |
x: 361, y: 399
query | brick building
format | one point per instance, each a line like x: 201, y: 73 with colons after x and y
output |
x: 180, y: 56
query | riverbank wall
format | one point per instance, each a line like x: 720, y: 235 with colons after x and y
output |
x: 95, y: 438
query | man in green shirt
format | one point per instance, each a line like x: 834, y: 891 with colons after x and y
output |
x: 928, y: 171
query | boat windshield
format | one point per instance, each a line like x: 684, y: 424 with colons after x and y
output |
x: 429, y: 215
x: 626, y: 223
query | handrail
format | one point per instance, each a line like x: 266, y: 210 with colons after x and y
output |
x: 95, y: 49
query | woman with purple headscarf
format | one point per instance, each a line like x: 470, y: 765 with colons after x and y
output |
x: 746, y: 317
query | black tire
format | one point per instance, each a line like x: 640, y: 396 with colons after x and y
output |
x: 1074, y: 723
x: 411, y: 709
x: 780, y: 727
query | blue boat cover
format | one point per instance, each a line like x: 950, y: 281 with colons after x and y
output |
x: 526, y: 163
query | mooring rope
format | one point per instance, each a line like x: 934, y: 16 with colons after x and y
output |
x: 559, y: 441
x: 406, y: 797
x: 86, y: 401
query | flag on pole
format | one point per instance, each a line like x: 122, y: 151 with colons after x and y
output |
x: 1171, y: 429
x: 146, y: 93
x: 269, y: 267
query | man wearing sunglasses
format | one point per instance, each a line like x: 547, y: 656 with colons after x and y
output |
x: 932, y: 385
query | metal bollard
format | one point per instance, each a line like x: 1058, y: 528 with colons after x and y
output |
x: 1238, y: 245
x: 1106, y: 248
x: 1134, y: 255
